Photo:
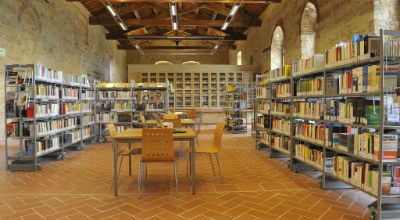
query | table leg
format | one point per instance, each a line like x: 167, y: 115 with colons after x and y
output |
x: 115, y: 168
x: 192, y: 166
x: 130, y: 161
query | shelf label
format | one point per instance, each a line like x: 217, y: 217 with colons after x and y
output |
x: 2, y: 52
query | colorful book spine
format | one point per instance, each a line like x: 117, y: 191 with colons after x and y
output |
x: 310, y: 155
x: 312, y: 110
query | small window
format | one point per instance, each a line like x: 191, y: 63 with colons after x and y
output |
x: 239, y: 58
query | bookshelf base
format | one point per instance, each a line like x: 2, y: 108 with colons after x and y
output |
x: 334, y: 183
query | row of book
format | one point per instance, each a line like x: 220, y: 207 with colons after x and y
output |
x: 262, y: 92
x: 106, y: 117
x: 43, y: 110
x: 44, y: 146
x: 315, y: 62
x: 70, y: 93
x: 312, y: 110
x: 359, y: 173
x: 121, y: 128
x: 88, y: 95
x: 79, y: 80
x: 43, y: 91
x: 263, y: 106
x: 310, y: 155
x: 280, y: 108
x: 73, y: 136
x: 86, y: 107
x: 281, y: 143
x: 70, y: 108
x: 265, y: 137
x: 53, y: 126
x: 47, y: 74
x: 353, y: 110
x: 122, y: 106
x: 281, y: 125
x: 88, y: 120
x: 280, y: 73
x: 87, y: 133
x: 282, y: 90
x: 311, y: 86
x: 316, y: 133
x: 116, y: 95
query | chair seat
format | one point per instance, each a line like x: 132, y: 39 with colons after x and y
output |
x: 127, y: 151
x: 204, y: 149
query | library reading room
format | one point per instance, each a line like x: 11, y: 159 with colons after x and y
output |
x: 200, y: 109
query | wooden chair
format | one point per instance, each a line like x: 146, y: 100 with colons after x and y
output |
x: 122, y: 152
x: 157, y: 146
x: 214, y: 149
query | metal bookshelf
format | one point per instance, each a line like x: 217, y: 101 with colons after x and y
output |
x: 147, y: 99
x: 24, y: 148
x: 235, y: 106
x: 387, y: 205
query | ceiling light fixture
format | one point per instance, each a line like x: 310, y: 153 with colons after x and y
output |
x: 135, y: 44
x: 232, y: 13
x: 174, y: 15
x: 114, y: 14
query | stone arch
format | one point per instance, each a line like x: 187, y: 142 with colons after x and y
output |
x: 277, y: 42
x: 308, y: 30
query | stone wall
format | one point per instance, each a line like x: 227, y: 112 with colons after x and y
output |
x: 220, y: 57
x: 337, y: 20
x: 57, y: 35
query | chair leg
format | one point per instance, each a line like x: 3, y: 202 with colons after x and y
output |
x: 219, y: 167
x: 139, y: 176
x: 212, y: 164
x: 197, y: 141
x: 176, y: 178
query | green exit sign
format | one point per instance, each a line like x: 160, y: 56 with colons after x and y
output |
x: 2, y: 52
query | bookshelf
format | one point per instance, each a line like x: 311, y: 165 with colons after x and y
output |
x: 44, y: 112
x: 341, y: 116
x: 235, y: 105
x: 200, y: 90
x: 122, y: 104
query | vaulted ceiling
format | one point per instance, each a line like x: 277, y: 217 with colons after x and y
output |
x: 199, y: 22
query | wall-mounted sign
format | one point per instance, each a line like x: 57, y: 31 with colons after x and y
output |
x: 2, y: 52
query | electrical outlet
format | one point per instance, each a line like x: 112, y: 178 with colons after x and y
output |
x: 2, y: 52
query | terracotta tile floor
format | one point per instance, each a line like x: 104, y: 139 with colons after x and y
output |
x: 254, y: 187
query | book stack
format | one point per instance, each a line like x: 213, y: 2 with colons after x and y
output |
x: 315, y: 133
x: 281, y: 125
x: 44, y: 110
x: 366, y: 46
x: 312, y: 110
x: 310, y: 155
x: 79, y: 80
x: 315, y: 62
x: 309, y: 87
x: 282, y: 90
x: 281, y: 143
x: 70, y: 108
x: 265, y: 137
x: 359, y: 173
x: 340, y: 54
x: 354, y: 110
x: 278, y: 74
x: 46, y: 91
x: 49, y: 75
x: 106, y: 117
x: 121, y: 128
x: 280, y: 108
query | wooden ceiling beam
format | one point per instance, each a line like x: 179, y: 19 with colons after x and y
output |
x: 131, y: 47
x: 121, y: 37
x: 164, y: 22
x: 202, y: 1
x: 221, y: 9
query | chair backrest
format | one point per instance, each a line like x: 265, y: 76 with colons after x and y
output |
x: 177, y: 123
x: 157, y: 145
x: 170, y: 116
x: 192, y: 113
x: 112, y: 129
x: 219, y: 130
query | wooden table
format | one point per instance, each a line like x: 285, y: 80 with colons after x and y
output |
x: 185, y: 123
x: 135, y: 135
